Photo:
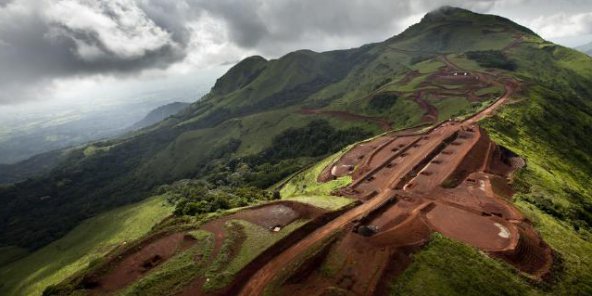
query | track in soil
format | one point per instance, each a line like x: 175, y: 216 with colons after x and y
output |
x: 450, y: 178
x: 124, y: 268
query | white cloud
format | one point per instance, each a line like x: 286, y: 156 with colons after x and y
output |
x: 43, y: 41
x: 118, y: 27
x: 563, y: 25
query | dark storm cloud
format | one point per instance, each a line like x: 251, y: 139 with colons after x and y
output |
x: 246, y: 27
x: 45, y: 40
x: 269, y: 25
x: 172, y: 16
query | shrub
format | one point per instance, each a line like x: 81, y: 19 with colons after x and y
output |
x: 382, y: 101
x: 492, y: 59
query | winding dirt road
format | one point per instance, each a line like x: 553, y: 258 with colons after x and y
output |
x: 409, y: 157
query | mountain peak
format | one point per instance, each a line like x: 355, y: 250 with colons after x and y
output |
x: 239, y: 75
x: 448, y: 20
x: 446, y: 13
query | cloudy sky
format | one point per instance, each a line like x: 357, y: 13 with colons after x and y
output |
x: 90, y: 50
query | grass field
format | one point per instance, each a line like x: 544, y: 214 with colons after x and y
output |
x: 89, y: 241
x: 306, y: 183
x: 553, y: 189
x: 552, y: 193
x: 451, y: 107
x: 447, y: 267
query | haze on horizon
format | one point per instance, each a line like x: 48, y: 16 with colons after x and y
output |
x: 76, y: 55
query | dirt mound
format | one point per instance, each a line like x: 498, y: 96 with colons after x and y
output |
x: 147, y: 256
x: 269, y: 215
x: 484, y: 232
x: 531, y: 255
x: 351, y: 264
x: 409, y: 202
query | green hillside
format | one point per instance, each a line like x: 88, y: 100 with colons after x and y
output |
x: 254, y: 103
x: 265, y: 121
x: 89, y: 241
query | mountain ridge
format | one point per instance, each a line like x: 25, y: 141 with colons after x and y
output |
x: 159, y: 114
x: 273, y: 121
x: 338, y: 79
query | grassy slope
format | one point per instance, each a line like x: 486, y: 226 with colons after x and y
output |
x: 548, y: 127
x: 256, y: 240
x: 64, y: 257
x: 305, y: 183
x: 551, y: 176
x: 303, y: 187
x: 9, y: 254
x: 446, y: 267
x: 555, y: 192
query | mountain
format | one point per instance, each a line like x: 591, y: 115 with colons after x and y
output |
x: 46, y: 145
x: 159, y: 114
x: 586, y: 48
x: 283, y: 124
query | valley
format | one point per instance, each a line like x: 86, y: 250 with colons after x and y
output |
x: 448, y: 178
x: 447, y: 159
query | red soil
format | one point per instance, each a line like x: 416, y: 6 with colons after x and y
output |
x: 137, y: 264
x: 471, y: 212
x: 356, y: 267
x: 344, y: 165
x: 269, y: 215
x: 411, y: 171
x: 132, y: 264
x: 430, y: 112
